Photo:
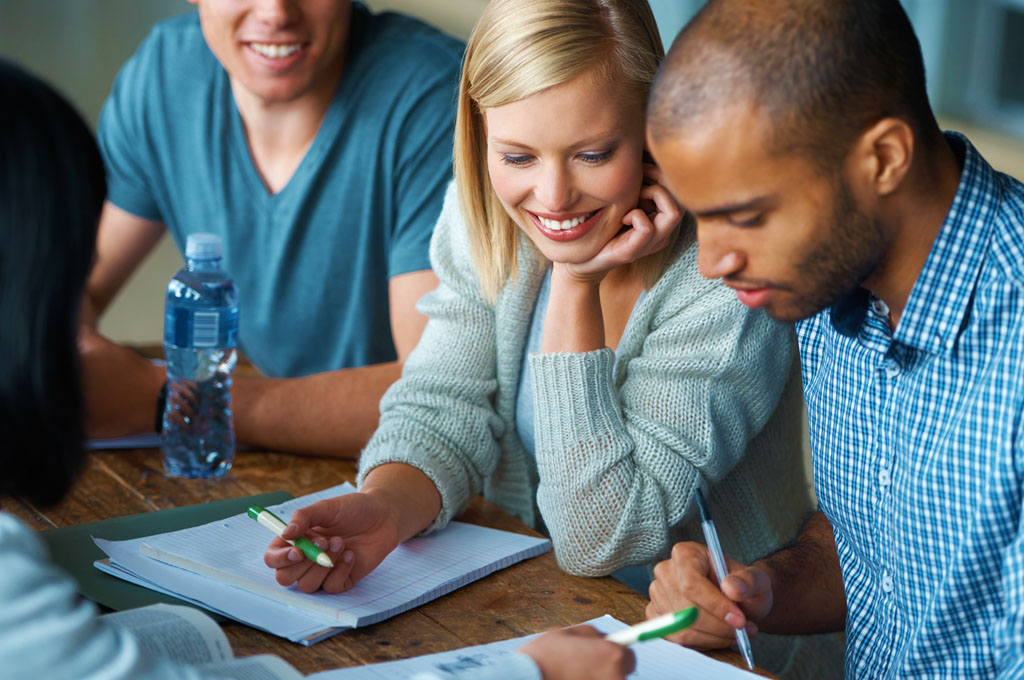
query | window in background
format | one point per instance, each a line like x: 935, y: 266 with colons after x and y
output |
x: 992, y: 66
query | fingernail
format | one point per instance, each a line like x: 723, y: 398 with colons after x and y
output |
x: 739, y: 586
x: 293, y: 555
x: 335, y: 544
x: 733, y: 620
x: 348, y: 557
x: 320, y: 543
x: 292, y: 528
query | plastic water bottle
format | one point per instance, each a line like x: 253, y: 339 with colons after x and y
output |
x: 200, y: 335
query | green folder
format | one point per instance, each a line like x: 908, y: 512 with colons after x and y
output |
x: 72, y: 548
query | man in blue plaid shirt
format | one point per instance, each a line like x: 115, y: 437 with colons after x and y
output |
x: 799, y: 134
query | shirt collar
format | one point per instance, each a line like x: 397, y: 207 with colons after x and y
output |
x: 941, y: 297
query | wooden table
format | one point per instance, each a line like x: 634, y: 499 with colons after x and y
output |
x: 529, y: 597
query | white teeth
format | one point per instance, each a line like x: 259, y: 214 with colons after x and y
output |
x: 275, y: 50
x: 556, y: 225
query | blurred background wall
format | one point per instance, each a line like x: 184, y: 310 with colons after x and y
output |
x: 974, y: 52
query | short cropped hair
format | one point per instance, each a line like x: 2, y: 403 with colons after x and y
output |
x: 519, y: 48
x: 822, y: 71
x: 52, y: 188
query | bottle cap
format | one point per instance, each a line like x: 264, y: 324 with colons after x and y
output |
x: 202, y: 247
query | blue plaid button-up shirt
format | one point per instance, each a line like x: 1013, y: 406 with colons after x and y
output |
x: 918, y: 448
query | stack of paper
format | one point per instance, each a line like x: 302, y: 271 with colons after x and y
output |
x: 656, y: 659
x: 195, y: 564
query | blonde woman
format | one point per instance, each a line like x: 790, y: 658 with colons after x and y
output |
x: 576, y: 368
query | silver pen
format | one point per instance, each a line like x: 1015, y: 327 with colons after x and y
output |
x: 718, y: 561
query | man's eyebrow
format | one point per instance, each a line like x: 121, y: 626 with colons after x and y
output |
x: 758, y: 203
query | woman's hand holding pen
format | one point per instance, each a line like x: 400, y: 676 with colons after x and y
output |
x: 687, y: 578
x: 356, y: 530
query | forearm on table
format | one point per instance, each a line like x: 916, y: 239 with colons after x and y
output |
x: 807, y: 584
x: 327, y: 414
x: 119, y: 386
x: 410, y: 493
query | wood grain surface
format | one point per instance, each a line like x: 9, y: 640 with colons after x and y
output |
x: 529, y: 597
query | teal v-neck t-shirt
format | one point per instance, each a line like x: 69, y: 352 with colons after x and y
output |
x: 312, y: 262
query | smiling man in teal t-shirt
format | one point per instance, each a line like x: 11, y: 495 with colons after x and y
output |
x: 315, y: 139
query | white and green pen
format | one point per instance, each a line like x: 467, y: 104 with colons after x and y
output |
x: 274, y: 523
x: 657, y: 627
x: 718, y: 561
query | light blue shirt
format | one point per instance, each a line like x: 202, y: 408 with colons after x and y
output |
x: 313, y: 261
x: 918, y: 448
x: 48, y: 631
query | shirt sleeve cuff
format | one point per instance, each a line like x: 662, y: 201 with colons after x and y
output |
x: 438, y: 469
x: 577, y: 394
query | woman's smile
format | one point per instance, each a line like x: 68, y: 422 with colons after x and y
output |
x: 566, y: 228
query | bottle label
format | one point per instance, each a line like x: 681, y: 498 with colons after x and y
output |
x: 201, y: 329
x: 205, y: 327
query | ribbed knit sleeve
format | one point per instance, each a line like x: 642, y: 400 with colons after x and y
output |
x: 620, y: 449
x: 439, y: 417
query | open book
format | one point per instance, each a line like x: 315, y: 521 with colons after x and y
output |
x: 191, y: 637
x: 196, y: 563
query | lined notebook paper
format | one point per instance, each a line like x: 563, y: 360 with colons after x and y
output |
x: 655, y: 660
x: 421, y: 569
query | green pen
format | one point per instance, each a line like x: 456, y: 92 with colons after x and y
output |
x: 655, y: 628
x: 274, y: 523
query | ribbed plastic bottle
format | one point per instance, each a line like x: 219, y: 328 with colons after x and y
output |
x: 200, y: 336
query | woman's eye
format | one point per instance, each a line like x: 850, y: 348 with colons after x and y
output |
x: 594, y: 158
x: 515, y: 159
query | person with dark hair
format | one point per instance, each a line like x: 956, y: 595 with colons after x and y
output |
x: 799, y: 135
x: 52, y: 189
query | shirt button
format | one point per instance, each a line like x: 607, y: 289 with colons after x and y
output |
x: 887, y: 582
x: 892, y: 369
x: 884, y: 478
x: 880, y: 308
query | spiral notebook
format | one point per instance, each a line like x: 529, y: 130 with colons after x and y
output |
x: 230, y: 552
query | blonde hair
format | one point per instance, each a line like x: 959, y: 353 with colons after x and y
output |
x: 518, y: 48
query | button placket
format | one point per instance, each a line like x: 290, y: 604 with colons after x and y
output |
x: 884, y: 478
x: 888, y: 584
